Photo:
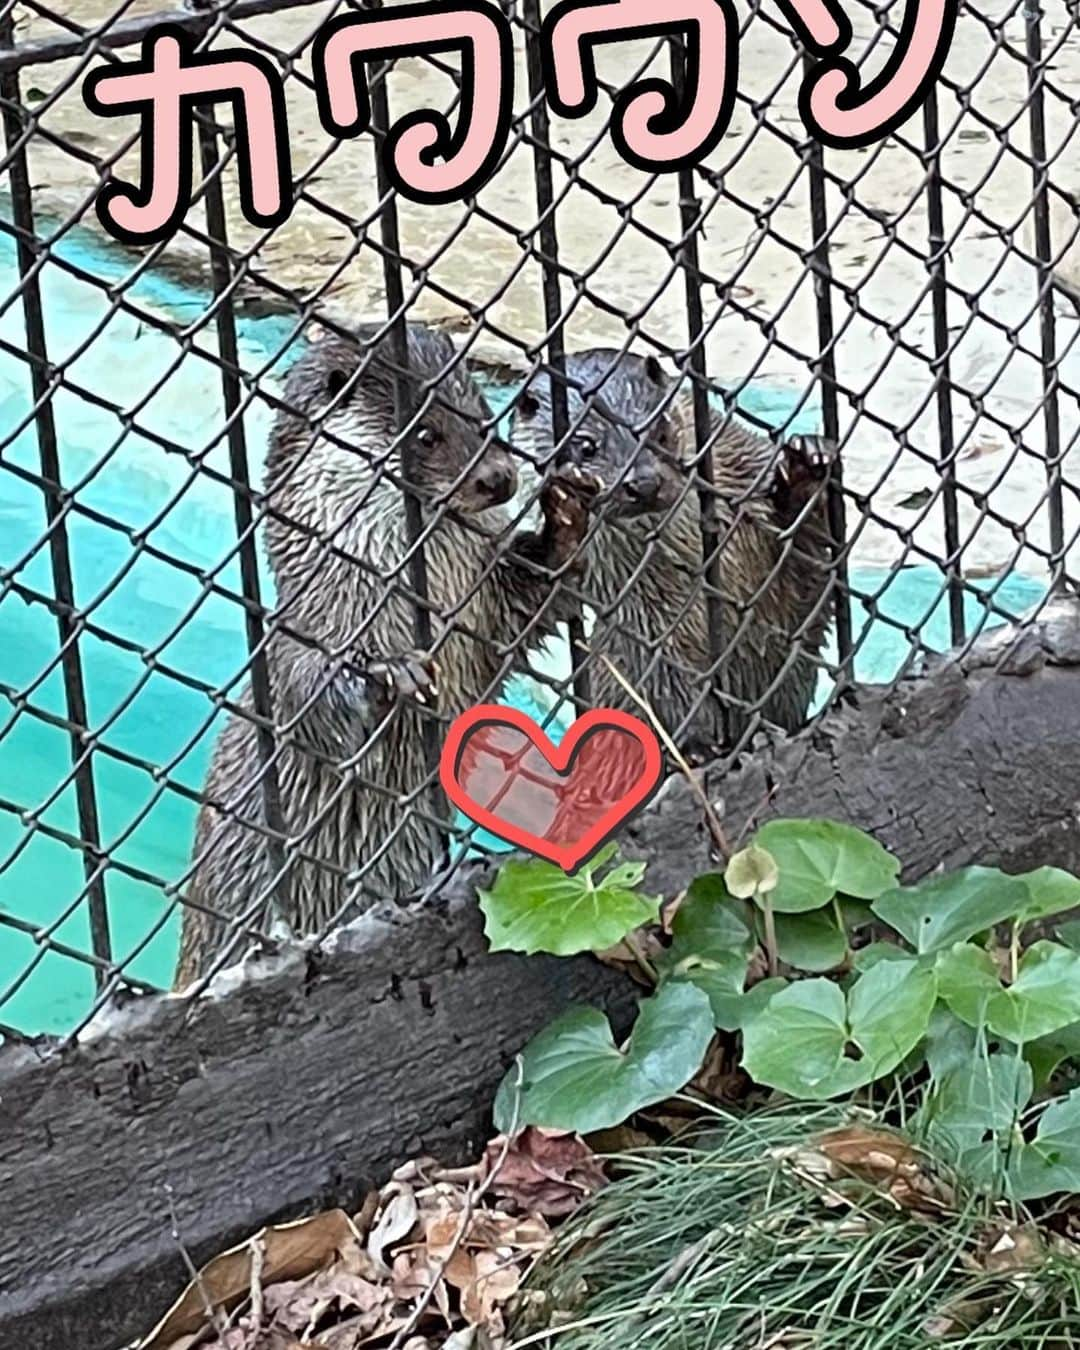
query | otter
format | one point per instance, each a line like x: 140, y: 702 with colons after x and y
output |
x: 349, y: 693
x: 643, y: 569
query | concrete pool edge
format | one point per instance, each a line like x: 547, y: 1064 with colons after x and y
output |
x: 969, y: 763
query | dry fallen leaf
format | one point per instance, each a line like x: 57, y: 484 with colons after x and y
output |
x: 495, y: 1280
x: 880, y: 1159
x: 1012, y: 1248
x: 295, y: 1304
x: 291, y: 1251
x: 623, y: 957
x: 621, y: 1139
x: 396, y: 1219
x: 548, y: 1172
x: 720, y: 1078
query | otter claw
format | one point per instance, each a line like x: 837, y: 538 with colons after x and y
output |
x: 406, y: 677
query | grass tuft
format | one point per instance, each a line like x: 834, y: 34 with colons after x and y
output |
x: 735, y: 1244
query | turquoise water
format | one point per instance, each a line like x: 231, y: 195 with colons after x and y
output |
x: 159, y: 499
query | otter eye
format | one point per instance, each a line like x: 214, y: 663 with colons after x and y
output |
x: 428, y: 437
x: 588, y: 447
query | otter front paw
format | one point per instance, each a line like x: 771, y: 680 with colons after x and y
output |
x: 567, y: 500
x: 804, y: 466
x: 399, y: 678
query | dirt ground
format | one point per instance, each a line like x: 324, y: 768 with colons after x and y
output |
x: 617, y: 227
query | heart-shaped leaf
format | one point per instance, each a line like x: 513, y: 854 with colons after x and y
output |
x: 710, y: 921
x: 1048, y: 1053
x: 813, y: 1043
x: 950, y: 1043
x: 947, y: 909
x: 1049, y: 891
x: 813, y: 942
x: 972, y: 1112
x: 1050, y: 1163
x: 866, y: 958
x: 722, y: 978
x: 1044, y: 997
x: 576, y: 1078
x: 816, y: 859
x: 535, y: 907
x: 1069, y: 933
x: 713, y: 937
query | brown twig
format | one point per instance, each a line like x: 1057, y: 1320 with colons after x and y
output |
x: 712, y: 819
x: 472, y: 1196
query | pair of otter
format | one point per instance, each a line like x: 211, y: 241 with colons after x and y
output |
x: 349, y: 694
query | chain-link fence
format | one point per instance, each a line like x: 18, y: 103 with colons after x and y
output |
x: 708, y: 445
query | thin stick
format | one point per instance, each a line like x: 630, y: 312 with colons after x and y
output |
x: 671, y: 1276
x: 472, y: 1196
x: 770, y: 935
x: 258, y: 1255
x: 713, y: 820
x: 217, y: 1317
x: 644, y: 964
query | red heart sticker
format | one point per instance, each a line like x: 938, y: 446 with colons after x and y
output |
x: 563, y: 802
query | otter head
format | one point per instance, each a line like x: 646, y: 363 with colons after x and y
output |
x: 449, y: 454
x: 620, y: 431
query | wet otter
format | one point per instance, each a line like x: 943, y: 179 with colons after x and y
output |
x: 643, y: 568
x: 345, y: 683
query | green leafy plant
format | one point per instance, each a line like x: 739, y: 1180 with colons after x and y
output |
x: 834, y: 977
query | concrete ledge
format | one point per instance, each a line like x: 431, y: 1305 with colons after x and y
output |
x: 294, y: 1083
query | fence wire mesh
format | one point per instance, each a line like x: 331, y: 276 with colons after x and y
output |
x: 253, y: 484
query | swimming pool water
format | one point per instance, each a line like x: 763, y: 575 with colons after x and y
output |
x: 151, y: 502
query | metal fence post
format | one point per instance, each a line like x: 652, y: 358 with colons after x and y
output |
x: 225, y: 319
x: 553, y: 312
x: 825, y: 368
x: 1044, y: 252
x: 697, y: 365
x: 56, y: 513
x: 942, y: 374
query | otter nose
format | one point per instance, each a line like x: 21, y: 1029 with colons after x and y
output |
x: 497, y: 481
x: 643, y: 485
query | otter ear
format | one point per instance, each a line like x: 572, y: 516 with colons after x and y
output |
x: 336, y: 381
x: 528, y: 405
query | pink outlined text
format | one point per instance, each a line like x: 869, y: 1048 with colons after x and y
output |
x: 654, y: 125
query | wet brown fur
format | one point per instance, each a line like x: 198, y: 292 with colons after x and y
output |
x: 643, y: 568
x: 347, y: 611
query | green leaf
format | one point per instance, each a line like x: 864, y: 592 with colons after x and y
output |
x: 1051, y: 1162
x: 710, y: 921
x: 947, y: 909
x: 1048, y: 1053
x: 535, y: 907
x: 950, y: 1043
x: 722, y: 979
x: 1044, y: 997
x: 973, y: 1111
x: 576, y: 1078
x: 1069, y: 933
x: 813, y: 942
x: 866, y: 958
x: 712, y: 940
x: 812, y: 1043
x: 818, y: 858
x: 1049, y: 891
